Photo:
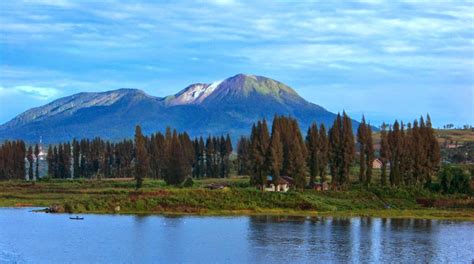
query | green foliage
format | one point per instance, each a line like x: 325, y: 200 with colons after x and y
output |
x: 454, y: 179
x: 188, y: 182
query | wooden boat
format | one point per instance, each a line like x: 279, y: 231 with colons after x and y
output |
x: 76, y: 218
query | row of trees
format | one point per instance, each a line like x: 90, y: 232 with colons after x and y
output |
x: 411, y: 154
x: 172, y: 157
x: 12, y: 160
x: 282, y: 152
x: 285, y: 152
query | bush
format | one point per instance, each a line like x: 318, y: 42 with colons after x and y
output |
x: 454, y: 180
x: 68, y: 207
x: 188, y: 182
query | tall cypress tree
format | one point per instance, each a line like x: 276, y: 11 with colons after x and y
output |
x: 348, y: 145
x: 259, y: 144
x: 202, y: 158
x: 362, y: 140
x: 395, y: 140
x: 243, y: 156
x: 384, y: 154
x: 323, y: 153
x: 314, y: 149
x: 178, y: 166
x: 50, y: 159
x: 335, y: 146
x: 369, y: 155
x: 67, y: 160
x: 433, y: 150
x: 298, y: 159
x: 141, y: 158
x: 275, y: 155
x: 29, y: 157
x: 37, y: 152
x: 227, y: 151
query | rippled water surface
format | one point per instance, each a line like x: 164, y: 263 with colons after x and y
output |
x: 27, y: 237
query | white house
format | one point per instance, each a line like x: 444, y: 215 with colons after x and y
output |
x: 279, y: 185
x: 377, y: 164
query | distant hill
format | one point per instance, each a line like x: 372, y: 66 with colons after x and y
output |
x: 228, y: 106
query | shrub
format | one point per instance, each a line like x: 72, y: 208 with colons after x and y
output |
x: 68, y: 207
x: 454, y: 180
x: 188, y: 182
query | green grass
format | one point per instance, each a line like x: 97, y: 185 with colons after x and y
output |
x: 90, y: 196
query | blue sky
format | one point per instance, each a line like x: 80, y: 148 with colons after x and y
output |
x: 385, y: 59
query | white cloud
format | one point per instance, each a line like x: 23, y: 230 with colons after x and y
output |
x: 222, y: 2
x: 44, y: 93
x: 56, y: 3
x: 398, y: 47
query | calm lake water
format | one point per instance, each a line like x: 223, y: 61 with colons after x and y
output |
x: 27, y: 237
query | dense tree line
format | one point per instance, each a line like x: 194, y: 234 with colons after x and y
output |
x: 172, y: 157
x: 12, y: 160
x: 409, y: 154
x: 284, y: 152
x: 342, y: 150
x: 281, y: 153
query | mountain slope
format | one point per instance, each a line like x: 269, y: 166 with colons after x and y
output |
x: 228, y: 106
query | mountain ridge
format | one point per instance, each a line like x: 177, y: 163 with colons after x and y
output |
x: 227, y: 106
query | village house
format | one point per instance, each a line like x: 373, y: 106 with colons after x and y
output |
x: 377, y: 164
x: 278, y: 185
x: 321, y: 186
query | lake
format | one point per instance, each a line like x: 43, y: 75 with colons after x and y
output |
x: 27, y: 237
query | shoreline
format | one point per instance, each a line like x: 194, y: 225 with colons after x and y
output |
x: 427, y: 214
x: 238, y: 199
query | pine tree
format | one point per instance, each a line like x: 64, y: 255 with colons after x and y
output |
x: 227, y: 152
x: 369, y: 155
x: 202, y: 158
x: 348, y: 145
x: 395, y: 142
x: 243, y: 156
x: 67, y: 160
x: 362, y: 140
x: 275, y: 155
x: 37, y: 152
x: 177, y: 170
x: 323, y: 153
x: 29, y: 157
x: 141, y: 162
x: 314, y: 149
x: 335, y: 147
x: 384, y: 153
x: 433, y: 150
x: 259, y: 144
x: 298, y: 159
x: 50, y: 159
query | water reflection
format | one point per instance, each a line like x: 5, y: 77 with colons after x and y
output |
x: 32, y: 237
x: 347, y: 240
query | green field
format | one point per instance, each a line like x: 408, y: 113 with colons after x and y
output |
x: 106, y: 196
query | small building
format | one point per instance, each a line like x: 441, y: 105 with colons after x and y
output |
x: 377, y: 164
x: 288, y: 179
x: 216, y: 186
x: 453, y: 146
x: 321, y: 186
x: 278, y: 185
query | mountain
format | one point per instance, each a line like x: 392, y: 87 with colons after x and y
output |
x: 228, y: 106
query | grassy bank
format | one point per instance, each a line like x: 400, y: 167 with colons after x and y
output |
x: 118, y: 196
